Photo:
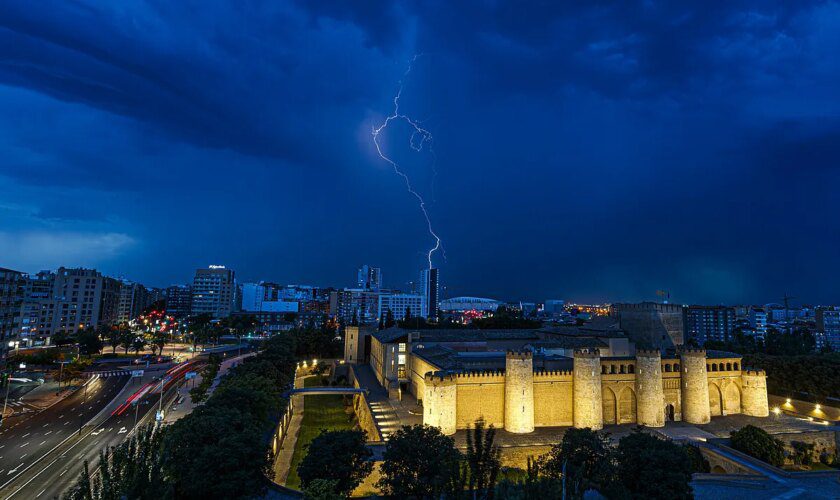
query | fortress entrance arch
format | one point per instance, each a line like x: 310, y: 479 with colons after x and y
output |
x: 732, y: 399
x: 669, y: 413
x: 627, y: 406
x: 608, y: 402
x: 715, y: 401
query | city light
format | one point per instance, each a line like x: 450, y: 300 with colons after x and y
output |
x: 777, y: 410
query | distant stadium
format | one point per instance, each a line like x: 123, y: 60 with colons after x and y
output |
x: 463, y: 304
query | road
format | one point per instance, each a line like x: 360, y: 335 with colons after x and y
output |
x: 27, y: 440
x: 56, y: 474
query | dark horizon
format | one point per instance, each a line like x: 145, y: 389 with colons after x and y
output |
x: 594, y: 153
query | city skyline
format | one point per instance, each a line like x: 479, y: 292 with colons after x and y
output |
x: 600, y: 153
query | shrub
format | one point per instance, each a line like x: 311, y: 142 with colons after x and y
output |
x: 757, y: 443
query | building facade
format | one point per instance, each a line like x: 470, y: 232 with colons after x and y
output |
x: 651, y: 324
x: 828, y: 323
x: 213, y: 292
x: 704, y: 323
x: 519, y: 390
x: 430, y: 290
x: 133, y: 299
x: 12, y: 284
x: 369, y: 278
x: 399, y: 304
x: 178, y: 299
x: 758, y: 322
x: 83, y: 298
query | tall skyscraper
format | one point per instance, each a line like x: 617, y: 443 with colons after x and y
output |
x: 429, y: 290
x: 213, y: 291
x: 369, y: 278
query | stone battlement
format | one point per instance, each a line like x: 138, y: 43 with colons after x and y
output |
x: 522, y: 355
x: 587, y: 352
x: 553, y: 373
x: 691, y: 351
x: 439, y: 378
x: 755, y: 373
x: 648, y: 353
x: 479, y: 374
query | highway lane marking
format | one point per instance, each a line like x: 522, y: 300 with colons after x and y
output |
x: 24, y: 444
x: 61, y: 416
x: 65, y: 423
x: 28, y: 433
x: 24, y: 456
x: 48, y: 433
x: 65, y: 470
x: 15, y: 469
x: 42, y: 492
x: 42, y: 442
x: 47, y: 424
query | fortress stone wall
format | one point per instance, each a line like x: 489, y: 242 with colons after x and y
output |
x: 646, y: 390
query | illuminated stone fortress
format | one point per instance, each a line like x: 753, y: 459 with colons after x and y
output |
x: 518, y: 380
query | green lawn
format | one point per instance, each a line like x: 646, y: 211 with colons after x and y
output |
x: 315, y: 381
x: 319, y: 412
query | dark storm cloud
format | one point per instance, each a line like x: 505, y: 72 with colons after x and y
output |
x: 619, y: 147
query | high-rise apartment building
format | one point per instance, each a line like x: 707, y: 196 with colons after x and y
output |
x: 651, y: 324
x: 83, y: 298
x: 369, y: 278
x: 11, y: 298
x: 38, y: 309
x: 429, y: 290
x: 828, y: 323
x: 262, y: 297
x: 704, y: 323
x: 178, y: 301
x: 213, y: 291
x: 133, y: 299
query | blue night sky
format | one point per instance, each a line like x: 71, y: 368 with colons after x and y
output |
x: 584, y: 150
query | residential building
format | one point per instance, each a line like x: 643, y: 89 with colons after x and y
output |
x: 11, y: 298
x: 554, y: 307
x: 213, y: 291
x: 369, y: 278
x: 398, y: 304
x: 828, y: 323
x: 651, y: 324
x: 430, y: 290
x: 361, y: 303
x: 133, y: 299
x: 38, y: 309
x: 703, y: 323
x: 258, y: 297
x: 83, y: 298
x: 758, y: 322
x: 179, y: 301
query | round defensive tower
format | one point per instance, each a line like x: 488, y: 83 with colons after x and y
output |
x: 439, y: 401
x: 694, y: 386
x: 519, y: 392
x: 754, y: 393
x: 650, y: 397
x: 586, y: 390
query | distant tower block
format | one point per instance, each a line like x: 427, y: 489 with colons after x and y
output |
x: 519, y: 392
x: 439, y: 401
x: 586, y: 396
x: 695, y: 386
x: 754, y: 394
x: 650, y: 397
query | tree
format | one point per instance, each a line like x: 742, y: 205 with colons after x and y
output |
x: 585, y: 456
x: 221, y: 446
x: 757, y: 443
x: 82, y: 490
x: 138, y: 344
x: 649, y: 467
x: 698, y: 461
x: 89, y: 342
x: 418, y: 463
x: 340, y: 456
x: 127, y: 339
x: 113, y: 335
x: 407, y: 317
x: 532, y: 487
x: 483, y: 458
x: 389, y: 319
x: 322, y: 489
x: 354, y: 321
x: 803, y: 453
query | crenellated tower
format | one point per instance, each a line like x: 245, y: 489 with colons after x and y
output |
x: 519, y: 392
x: 587, y: 408
x: 754, y: 393
x: 650, y: 396
x: 694, y: 386
x: 440, y: 401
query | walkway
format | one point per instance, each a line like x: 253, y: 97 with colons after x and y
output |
x: 287, y: 450
x: 388, y: 414
x: 327, y: 390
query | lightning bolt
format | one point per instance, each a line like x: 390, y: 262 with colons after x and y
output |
x: 419, y: 138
